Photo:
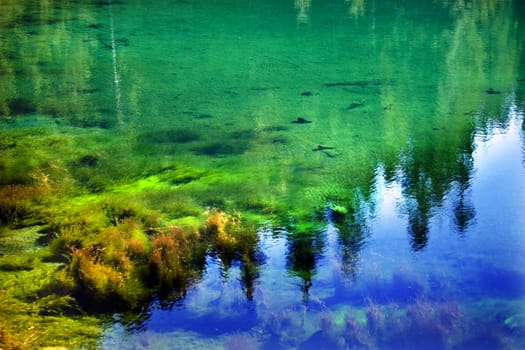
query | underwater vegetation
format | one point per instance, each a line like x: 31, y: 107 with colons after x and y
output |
x: 97, y: 254
x: 428, y: 324
x: 106, y: 272
x: 176, y: 259
x: 228, y: 236
x: 19, y: 203
x: 241, y: 342
x: 118, y: 266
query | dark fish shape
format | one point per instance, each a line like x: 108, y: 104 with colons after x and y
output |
x: 301, y: 120
x: 522, y: 80
x: 308, y: 93
x: 322, y: 148
x: 354, y: 105
x: 329, y: 155
x: 491, y: 91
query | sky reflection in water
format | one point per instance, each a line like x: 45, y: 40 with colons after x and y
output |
x: 304, y: 282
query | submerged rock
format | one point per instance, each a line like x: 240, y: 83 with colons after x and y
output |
x: 20, y: 106
x: 319, y: 341
x: 102, y: 3
x: 234, y: 143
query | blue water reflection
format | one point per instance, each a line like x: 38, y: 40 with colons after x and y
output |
x: 372, y: 283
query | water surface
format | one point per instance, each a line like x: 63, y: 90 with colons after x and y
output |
x: 407, y: 117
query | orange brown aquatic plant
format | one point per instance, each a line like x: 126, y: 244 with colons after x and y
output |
x: 103, y: 286
x: 123, y: 243
x: 96, y: 279
x: 110, y: 267
x: 229, y: 236
x: 68, y: 236
x: 21, y: 202
x: 220, y: 225
x: 8, y: 340
x: 114, y: 262
x: 174, y: 256
x: 114, y: 258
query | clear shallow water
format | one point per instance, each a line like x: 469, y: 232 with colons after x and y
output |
x: 418, y: 110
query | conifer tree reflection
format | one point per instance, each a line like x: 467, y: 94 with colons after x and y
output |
x: 417, y: 188
x: 303, y: 253
x: 249, y: 273
x: 351, y: 239
x: 425, y: 185
x: 464, y: 212
x: 251, y: 260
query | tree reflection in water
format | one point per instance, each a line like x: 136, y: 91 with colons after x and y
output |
x: 304, y: 250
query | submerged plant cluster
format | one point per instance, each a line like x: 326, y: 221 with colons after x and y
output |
x: 420, y: 324
x: 98, y: 254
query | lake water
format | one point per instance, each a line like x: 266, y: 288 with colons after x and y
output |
x: 379, y: 144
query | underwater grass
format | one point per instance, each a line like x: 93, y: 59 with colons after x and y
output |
x: 30, y: 321
x: 108, y: 255
x: 109, y: 246
x: 421, y: 323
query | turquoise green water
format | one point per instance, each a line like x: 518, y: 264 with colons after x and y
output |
x: 406, y: 117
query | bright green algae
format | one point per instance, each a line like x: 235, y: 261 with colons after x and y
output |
x: 105, y: 164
